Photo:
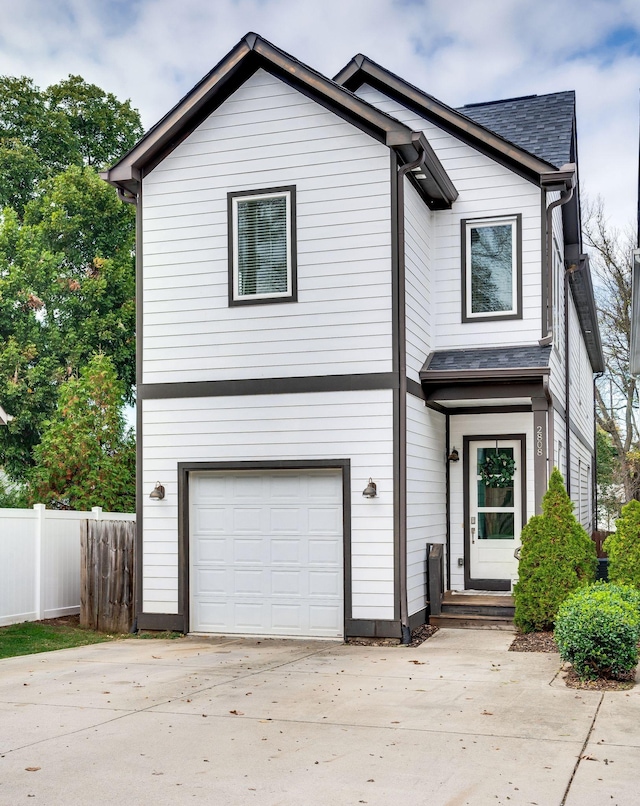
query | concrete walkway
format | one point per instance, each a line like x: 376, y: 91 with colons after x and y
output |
x: 458, y: 720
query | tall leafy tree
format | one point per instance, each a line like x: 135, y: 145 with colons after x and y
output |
x: 67, y: 291
x: 86, y: 457
x: 67, y: 282
x: 616, y: 391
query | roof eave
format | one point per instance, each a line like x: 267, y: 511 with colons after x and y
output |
x: 362, y: 70
x: 251, y: 53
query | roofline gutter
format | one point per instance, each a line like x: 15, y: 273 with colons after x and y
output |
x: 401, y: 496
x: 563, y: 180
x: 464, y: 375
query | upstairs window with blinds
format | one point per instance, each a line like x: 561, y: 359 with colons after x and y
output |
x: 491, y: 268
x: 262, y: 246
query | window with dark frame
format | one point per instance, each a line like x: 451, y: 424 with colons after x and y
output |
x: 262, y: 246
x: 491, y: 268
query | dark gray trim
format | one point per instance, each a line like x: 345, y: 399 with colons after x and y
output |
x: 185, y: 468
x: 234, y: 194
x: 249, y: 55
x: 269, y: 386
x: 448, y: 499
x: 485, y: 374
x: 494, y: 317
x: 477, y: 391
x: 540, y: 449
x: 418, y: 619
x: 431, y: 404
x: 489, y: 410
x: 544, y: 277
x: 362, y: 70
x: 161, y: 622
x: 415, y: 389
x: 489, y: 584
x: 373, y: 628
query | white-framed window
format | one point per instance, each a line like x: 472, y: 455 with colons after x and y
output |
x: 491, y: 282
x: 262, y: 259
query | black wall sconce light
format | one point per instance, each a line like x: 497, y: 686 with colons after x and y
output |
x: 371, y: 490
x: 157, y: 494
x: 454, y: 456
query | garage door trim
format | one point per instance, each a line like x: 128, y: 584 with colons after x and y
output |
x: 184, y: 471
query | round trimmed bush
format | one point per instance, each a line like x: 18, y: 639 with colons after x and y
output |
x: 598, y: 628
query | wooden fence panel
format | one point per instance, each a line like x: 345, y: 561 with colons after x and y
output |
x: 107, y: 575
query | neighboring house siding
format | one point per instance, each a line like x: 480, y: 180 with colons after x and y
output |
x: 419, y: 280
x: 268, y: 134
x: 485, y: 188
x: 341, y: 425
x: 473, y: 425
x: 426, y: 493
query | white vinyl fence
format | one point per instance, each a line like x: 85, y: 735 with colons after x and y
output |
x: 40, y: 561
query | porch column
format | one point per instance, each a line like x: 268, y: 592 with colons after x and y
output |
x: 540, y: 449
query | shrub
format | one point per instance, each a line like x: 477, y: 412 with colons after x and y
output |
x: 623, y: 547
x: 597, y: 630
x: 557, y: 556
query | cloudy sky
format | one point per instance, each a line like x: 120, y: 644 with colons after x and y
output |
x: 461, y: 51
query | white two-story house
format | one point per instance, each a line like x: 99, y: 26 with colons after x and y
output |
x: 354, y: 304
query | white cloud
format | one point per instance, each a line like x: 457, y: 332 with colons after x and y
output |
x: 153, y: 51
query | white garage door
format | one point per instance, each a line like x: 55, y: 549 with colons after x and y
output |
x: 266, y: 553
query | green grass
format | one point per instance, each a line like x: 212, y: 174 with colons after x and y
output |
x: 31, y: 637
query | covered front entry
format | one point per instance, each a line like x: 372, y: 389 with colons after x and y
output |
x: 494, y: 502
x: 266, y: 552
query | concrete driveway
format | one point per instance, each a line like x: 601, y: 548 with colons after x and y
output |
x: 458, y: 720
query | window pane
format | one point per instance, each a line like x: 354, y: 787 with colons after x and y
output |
x: 489, y: 496
x: 495, y: 525
x: 262, y: 246
x: 492, y: 268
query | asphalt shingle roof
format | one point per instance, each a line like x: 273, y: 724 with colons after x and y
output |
x: 488, y: 358
x: 540, y: 124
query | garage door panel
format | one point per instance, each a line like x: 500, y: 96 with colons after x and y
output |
x: 267, y: 553
x: 324, y: 520
x: 284, y: 552
x: 324, y: 552
x: 290, y: 520
x: 210, y: 550
x: 247, y: 550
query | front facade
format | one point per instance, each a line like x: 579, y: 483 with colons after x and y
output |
x: 344, y: 282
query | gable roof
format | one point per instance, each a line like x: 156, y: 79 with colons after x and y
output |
x: 362, y: 70
x: 249, y: 55
x: 543, y: 125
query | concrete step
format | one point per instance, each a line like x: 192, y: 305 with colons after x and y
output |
x: 473, y: 622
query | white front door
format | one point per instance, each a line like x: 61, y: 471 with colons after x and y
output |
x: 495, y: 508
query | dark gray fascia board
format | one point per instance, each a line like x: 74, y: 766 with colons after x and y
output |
x: 583, y: 296
x: 250, y: 54
x: 361, y: 70
x: 561, y: 179
x: 451, y: 377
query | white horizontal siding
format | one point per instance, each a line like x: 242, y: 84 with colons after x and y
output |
x: 419, y: 282
x: 473, y: 425
x: 485, y: 188
x: 580, y: 379
x: 338, y: 425
x: 556, y: 362
x: 426, y: 494
x: 268, y: 134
